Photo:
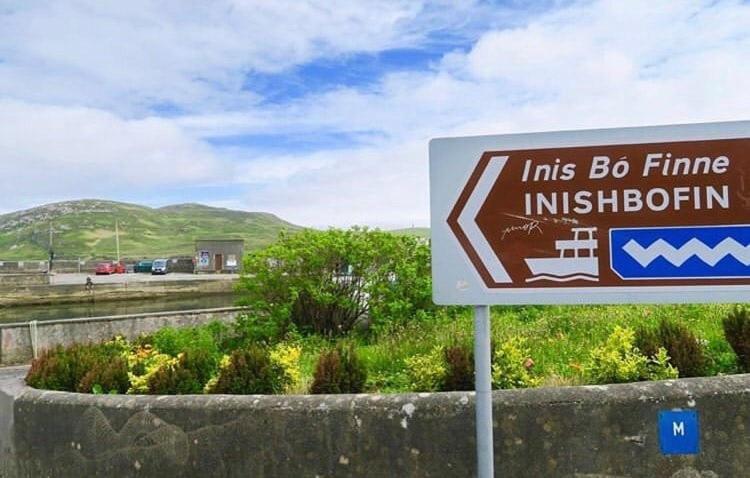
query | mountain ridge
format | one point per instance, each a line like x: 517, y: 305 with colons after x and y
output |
x: 85, y: 228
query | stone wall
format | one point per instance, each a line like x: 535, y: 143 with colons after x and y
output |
x: 16, y: 339
x: 65, y: 294
x: 577, y: 432
x: 88, y: 266
x: 16, y: 267
x: 23, y: 279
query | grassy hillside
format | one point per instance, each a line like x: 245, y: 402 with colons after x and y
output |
x: 414, y: 231
x: 86, y: 229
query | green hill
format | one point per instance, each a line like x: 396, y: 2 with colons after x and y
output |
x: 86, y: 229
x: 423, y: 232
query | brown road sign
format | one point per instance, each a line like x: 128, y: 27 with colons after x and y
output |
x: 656, y: 214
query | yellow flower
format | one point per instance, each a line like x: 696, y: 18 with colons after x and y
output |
x: 287, y: 357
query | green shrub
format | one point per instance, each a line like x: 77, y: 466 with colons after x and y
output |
x: 250, y: 328
x: 684, y: 350
x: 737, y: 332
x: 287, y: 357
x: 173, y: 341
x: 327, y: 282
x: 511, y: 365
x: 658, y: 367
x: 427, y: 371
x: 63, y: 368
x: 618, y: 361
x: 647, y: 340
x: 223, y: 334
x: 720, y: 358
x: 52, y: 370
x: 249, y: 371
x: 188, y: 375
x: 339, y: 371
x: 459, y: 368
x: 327, y: 374
x: 110, y: 376
x: 143, y: 362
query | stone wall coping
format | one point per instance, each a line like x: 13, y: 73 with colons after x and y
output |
x: 689, y: 390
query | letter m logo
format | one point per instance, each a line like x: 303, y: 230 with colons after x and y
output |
x: 679, y: 432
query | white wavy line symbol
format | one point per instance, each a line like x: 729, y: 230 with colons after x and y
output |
x: 694, y: 247
x: 563, y: 278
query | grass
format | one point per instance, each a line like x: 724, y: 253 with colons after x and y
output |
x: 86, y: 229
x: 560, y: 338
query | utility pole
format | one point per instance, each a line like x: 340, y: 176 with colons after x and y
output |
x: 117, y: 239
x: 51, y: 250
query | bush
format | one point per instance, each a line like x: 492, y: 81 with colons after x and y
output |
x: 222, y: 334
x: 618, y: 361
x: 144, y: 361
x: 187, y: 375
x: 64, y: 368
x: 658, y: 367
x: 647, y: 340
x: 720, y: 358
x: 51, y: 370
x: 287, y: 357
x: 326, y: 282
x: 108, y: 377
x: 250, y: 328
x: 426, y: 372
x: 511, y: 365
x: 172, y: 341
x: 737, y: 332
x: 684, y: 350
x: 459, y: 368
x: 249, y: 371
x: 339, y: 371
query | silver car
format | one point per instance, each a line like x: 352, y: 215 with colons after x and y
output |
x: 159, y: 267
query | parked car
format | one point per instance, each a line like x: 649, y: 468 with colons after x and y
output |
x: 119, y: 268
x: 104, y: 269
x: 159, y: 267
x: 143, y: 266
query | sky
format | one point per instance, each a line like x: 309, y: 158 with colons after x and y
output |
x: 321, y: 112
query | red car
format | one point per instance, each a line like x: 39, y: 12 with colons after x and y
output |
x: 105, y: 269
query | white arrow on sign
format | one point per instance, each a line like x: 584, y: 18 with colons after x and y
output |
x: 467, y: 219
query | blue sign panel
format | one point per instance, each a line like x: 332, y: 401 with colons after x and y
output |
x: 695, y: 252
x: 679, y: 432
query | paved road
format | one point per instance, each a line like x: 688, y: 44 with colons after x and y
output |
x: 67, y: 279
x: 11, y: 385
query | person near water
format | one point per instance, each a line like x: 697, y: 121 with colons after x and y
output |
x: 89, y: 284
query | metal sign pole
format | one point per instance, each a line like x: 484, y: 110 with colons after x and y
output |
x: 482, y: 366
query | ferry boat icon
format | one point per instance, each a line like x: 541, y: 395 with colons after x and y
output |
x: 577, y: 260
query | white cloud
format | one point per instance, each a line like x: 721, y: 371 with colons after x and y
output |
x: 129, y: 55
x: 384, y: 186
x: 598, y: 64
x: 49, y: 151
x: 593, y: 64
x: 603, y: 64
x: 268, y: 169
